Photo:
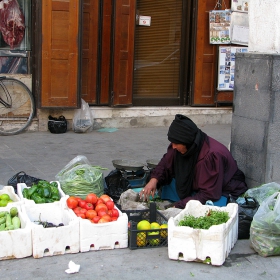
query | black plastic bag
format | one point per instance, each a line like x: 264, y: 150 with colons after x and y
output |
x: 246, y: 212
x: 57, y: 125
x: 116, y: 184
x: 22, y: 177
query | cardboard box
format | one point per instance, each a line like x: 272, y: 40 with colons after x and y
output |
x: 209, y: 246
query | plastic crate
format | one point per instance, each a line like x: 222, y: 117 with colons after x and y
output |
x: 141, y: 239
x: 16, y: 243
x: 210, y: 246
x: 21, y: 186
x: 54, y: 240
x: 104, y: 236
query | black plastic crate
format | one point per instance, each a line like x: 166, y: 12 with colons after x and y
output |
x: 141, y: 239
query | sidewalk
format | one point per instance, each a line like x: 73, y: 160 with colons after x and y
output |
x: 43, y: 155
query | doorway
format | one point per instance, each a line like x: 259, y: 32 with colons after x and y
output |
x: 157, y: 57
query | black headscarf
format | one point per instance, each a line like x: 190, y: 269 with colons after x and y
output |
x: 184, y: 131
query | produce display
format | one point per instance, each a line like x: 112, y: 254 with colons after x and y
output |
x: 42, y: 192
x: 9, y: 220
x: 153, y: 229
x: 96, y: 209
x: 5, y: 199
x: 211, y: 218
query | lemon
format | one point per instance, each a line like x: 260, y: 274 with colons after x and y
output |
x: 5, y: 196
x: 163, y: 233
x: 156, y: 241
x: 155, y: 225
x: 143, y: 225
x: 3, y: 202
x: 141, y: 239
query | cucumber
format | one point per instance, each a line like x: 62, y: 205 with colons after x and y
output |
x: 3, y: 214
x: 10, y: 227
x: 2, y: 227
x: 8, y: 220
x: 16, y: 222
x: 2, y: 220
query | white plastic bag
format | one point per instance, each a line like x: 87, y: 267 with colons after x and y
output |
x: 265, y: 227
x: 83, y: 120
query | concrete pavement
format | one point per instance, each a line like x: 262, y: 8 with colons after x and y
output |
x: 43, y: 155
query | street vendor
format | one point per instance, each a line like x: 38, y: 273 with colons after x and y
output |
x: 195, y: 167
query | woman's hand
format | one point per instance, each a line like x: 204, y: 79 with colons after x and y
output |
x: 149, y: 189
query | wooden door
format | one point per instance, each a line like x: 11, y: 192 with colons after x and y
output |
x: 89, y: 77
x: 60, y: 79
x: 205, y: 57
x: 123, y: 52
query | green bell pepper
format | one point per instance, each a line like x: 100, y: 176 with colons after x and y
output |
x: 38, y: 199
x: 47, y: 192
x: 54, y: 190
x: 25, y: 193
x: 54, y: 184
x: 32, y: 190
x: 55, y: 197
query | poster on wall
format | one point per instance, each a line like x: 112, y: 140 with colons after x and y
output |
x: 219, y: 26
x: 226, y: 66
x: 239, y: 28
x: 240, y: 6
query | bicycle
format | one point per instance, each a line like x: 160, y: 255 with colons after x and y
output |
x: 17, y: 106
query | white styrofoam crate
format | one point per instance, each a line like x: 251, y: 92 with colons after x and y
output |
x: 111, y: 235
x: 21, y: 186
x: 16, y: 243
x: 11, y: 192
x: 188, y: 244
x: 57, y: 240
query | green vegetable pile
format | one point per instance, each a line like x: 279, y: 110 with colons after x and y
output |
x: 211, y: 218
x: 9, y: 220
x: 42, y: 192
x: 81, y: 180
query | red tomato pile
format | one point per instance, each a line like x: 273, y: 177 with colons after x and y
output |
x: 96, y: 209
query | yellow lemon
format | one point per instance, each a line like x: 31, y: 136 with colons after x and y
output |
x: 155, y: 225
x: 143, y: 225
x: 155, y: 241
x: 163, y: 233
x: 141, y: 239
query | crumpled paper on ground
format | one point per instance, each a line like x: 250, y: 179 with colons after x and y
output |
x: 73, y: 268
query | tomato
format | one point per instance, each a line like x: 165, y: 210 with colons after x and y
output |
x: 110, y: 213
x: 89, y: 206
x: 91, y: 198
x: 78, y: 198
x: 82, y: 203
x: 99, y: 200
x: 114, y: 219
x: 110, y: 204
x: 107, y: 217
x: 105, y: 197
x: 72, y: 202
x: 81, y: 215
x: 102, y: 212
x: 83, y: 211
x: 100, y: 206
x: 90, y: 214
x: 115, y: 213
x: 103, y: 220
x: 96, y: 219
x: 77, y: 210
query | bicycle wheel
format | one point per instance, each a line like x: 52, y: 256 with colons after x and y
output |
x: 17, y: 106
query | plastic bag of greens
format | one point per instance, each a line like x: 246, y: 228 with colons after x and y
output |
x: 265, y: 227
x: 262, y: 192
x: 79, y: 178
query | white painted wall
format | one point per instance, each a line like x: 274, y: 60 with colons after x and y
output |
x: 264, y: 26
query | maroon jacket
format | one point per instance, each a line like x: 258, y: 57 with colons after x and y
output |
x: 216, y: 173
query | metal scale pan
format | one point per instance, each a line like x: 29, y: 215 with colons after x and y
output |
x: 128, y: 165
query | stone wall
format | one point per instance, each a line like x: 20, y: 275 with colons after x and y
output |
x: 255, y: 133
